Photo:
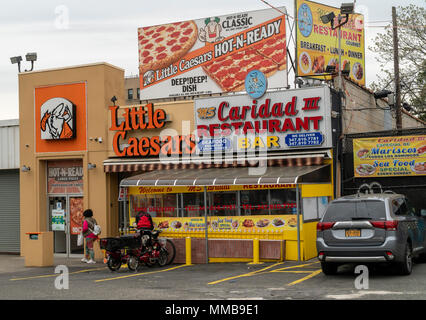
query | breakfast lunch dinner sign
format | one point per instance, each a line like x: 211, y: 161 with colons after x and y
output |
x: 317, y: 43
x: 212, y: 55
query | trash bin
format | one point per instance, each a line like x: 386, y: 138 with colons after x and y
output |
x: 39, y: 249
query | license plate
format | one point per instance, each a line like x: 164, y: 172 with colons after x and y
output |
x: 353, y: 233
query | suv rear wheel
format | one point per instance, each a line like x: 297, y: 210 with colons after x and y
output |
x: 329, y: 268
x: 406, y: 265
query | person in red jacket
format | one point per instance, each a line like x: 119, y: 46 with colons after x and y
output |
x: 144, y: 221
x: 145, y: 225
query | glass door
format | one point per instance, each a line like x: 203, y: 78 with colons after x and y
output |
x: 57, y: 223
x: 65, y: 220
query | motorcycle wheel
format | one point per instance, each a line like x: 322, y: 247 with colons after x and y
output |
x: 113, y: 265
x: 171, y: 250
x: 163, y: 257
x: 132, y: 263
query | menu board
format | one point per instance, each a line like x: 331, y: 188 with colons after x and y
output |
x: 265, y: 223
x: 390, y: 156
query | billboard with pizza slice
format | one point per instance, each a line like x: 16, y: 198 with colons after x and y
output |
x: 212, y: 55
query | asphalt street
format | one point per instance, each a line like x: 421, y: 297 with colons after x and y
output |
x: 287, y: 280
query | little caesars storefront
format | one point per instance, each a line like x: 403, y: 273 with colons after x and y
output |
x: 245, y: 170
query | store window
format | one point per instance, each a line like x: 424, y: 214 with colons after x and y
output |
x: 193, y: 204
x: 157, y: 205
x: 283, y: 201
x: 314, y: 207
x: 254, y: 202
x: 223, y: 203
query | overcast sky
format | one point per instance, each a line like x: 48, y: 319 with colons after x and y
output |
x: 66, y: 33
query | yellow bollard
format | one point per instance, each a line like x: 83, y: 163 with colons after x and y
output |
x: 188, y: 252
x: 256, y: 250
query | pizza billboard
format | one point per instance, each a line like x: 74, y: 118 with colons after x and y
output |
x: 317, y: 44
x: 212, y: 55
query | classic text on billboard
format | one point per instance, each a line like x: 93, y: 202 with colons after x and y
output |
x: 212, y: 55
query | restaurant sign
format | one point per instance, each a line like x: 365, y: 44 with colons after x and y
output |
x: 283, y: 120
x: 317, y: 43
x: 390, y: 156
x: 141, y: 118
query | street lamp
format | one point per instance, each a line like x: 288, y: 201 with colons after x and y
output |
x: 345, y: 9
x: 31, y: 56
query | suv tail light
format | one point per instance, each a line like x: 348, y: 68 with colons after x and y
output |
x: 321, y: 226
x: 387, y: 225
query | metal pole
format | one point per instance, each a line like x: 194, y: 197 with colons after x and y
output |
x: 206, y: 226
x: 396, y: 71
x: 298, y: 222
x: 340, y: 57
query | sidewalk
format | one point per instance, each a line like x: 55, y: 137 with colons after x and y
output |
x: 16, y: 263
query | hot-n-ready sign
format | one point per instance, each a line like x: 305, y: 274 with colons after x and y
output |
x: 212, y: 55
x: 283, y: 120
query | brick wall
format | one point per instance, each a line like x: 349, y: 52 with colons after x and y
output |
x: 228, y: 248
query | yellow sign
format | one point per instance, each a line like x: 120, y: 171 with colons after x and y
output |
x: 228, y: 223
x: 390, y: 156
x: 317, y: 43
x: 188, y: 189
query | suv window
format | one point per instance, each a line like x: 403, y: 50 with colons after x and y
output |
x: 355, y: 209
x: 399, y: 207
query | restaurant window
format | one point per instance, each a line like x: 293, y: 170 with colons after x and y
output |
x: 129, y: 94
x: 157, y: 205
x: 193, y: 204
x: 283, y: 201
x: 223, y: 203
x: 254, y: 202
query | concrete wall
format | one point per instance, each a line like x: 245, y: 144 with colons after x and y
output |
x: 362, y: 115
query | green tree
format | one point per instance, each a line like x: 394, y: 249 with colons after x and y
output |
x: 411, y: 21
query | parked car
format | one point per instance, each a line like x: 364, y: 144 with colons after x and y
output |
x: 370, y: 228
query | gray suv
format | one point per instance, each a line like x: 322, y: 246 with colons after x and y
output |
x: 367, y: 228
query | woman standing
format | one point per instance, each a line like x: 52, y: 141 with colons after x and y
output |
x: 88, y: 224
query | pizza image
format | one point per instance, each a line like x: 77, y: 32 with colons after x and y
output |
x: 230, y: 71
x: 76, y: 214
x: 163, y: 45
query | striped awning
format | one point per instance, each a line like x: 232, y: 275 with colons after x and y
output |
x: 232, y: 176
x: 287, y: 160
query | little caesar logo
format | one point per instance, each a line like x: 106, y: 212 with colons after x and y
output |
x: 57, y: 119
x: 144, y: 118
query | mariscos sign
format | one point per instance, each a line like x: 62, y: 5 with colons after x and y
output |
x: 282, y: 120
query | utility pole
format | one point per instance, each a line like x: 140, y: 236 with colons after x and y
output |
x: 396, y: 71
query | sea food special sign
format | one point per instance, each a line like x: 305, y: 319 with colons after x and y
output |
x: 390, y: 156
x: 284, y: 120
x: 317, y: 43
x: 212, y: 55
